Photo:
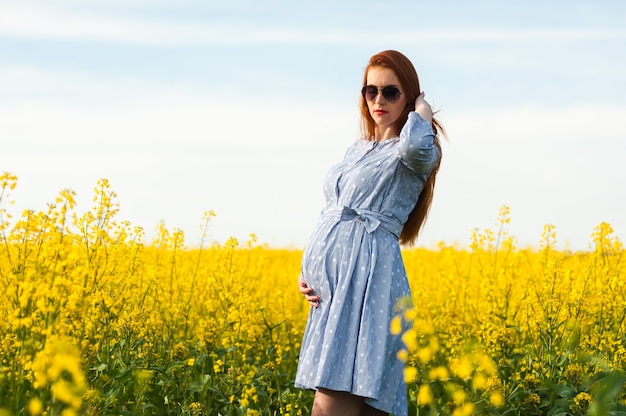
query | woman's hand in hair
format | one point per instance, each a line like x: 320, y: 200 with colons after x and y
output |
x: 308, y: 293
x: 423, y: 108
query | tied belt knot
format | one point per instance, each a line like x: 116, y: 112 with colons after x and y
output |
x: 371, y: 219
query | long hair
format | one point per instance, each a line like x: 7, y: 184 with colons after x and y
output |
x: 409, y: 82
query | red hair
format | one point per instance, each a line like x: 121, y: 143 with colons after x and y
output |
x: 409, y: 82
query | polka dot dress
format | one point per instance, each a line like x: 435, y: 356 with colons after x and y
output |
x: 353, y: 263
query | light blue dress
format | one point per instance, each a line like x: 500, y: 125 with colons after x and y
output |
x: 353, y: 263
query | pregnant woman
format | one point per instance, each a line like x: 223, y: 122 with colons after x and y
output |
x: 377, y: 198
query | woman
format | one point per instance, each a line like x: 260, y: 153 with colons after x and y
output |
x: 352, y: 270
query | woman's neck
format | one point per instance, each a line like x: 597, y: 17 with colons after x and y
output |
x: 384, y: 133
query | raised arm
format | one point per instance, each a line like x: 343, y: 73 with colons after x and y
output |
x: 416, y: 148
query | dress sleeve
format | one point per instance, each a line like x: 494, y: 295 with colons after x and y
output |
x: 416, y: 148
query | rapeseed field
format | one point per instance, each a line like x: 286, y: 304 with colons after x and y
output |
x: 94, y: 321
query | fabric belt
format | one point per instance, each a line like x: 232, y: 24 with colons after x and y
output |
x: 372, y: 219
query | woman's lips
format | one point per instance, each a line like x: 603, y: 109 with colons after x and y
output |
x: 380, y: 112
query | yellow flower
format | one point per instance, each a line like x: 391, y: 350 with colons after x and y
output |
x: 573, y: 374
x: 462, y: 367
x: 425, y: 355
x: 424, y: 395
x: 59, y: 366
x: 62, y: 391
x: 86, y: 291
x: 410, y: 314
x: 467, y: 409
x: 217, y: 366
x: 410, y: 374
x: 582, y: 400
x: 410, y: 339
x: 496, y: 399
x: 459, y: 396
x: 479, y: 381
x: 396, y: 325
x: 35, y: 406
x: 439, y: 373
x: 423, y: 327
x: 180, y: 351
x: 533, y: 399
x: 195, y: 409
x: 531, y: 381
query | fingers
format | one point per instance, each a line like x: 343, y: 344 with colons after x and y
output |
x: 301, y: 281
x: 423, y: 108
x: 309, y: 293
x: 305, y: 290
x: 420, y: 99
x: 311, y: 297
x: 313, y: 301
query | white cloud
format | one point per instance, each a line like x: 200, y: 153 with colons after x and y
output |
x: 39, y: 22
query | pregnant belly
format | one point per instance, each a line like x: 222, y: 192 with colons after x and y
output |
x: 335, y: 251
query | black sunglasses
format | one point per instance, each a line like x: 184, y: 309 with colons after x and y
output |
x: 390, y: 93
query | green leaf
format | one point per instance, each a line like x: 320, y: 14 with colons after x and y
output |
x: 562, y: 390
x: 100, y: 368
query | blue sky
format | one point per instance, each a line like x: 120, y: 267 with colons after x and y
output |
x: 241, y: 106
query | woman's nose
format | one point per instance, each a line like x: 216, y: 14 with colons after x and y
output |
x: 379, y: 97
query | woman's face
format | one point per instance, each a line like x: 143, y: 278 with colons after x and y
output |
x: 384, y: 112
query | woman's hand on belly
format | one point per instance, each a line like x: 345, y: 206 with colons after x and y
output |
x: 308, y: 293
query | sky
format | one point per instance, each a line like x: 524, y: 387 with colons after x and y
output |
x: 240, y: 107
